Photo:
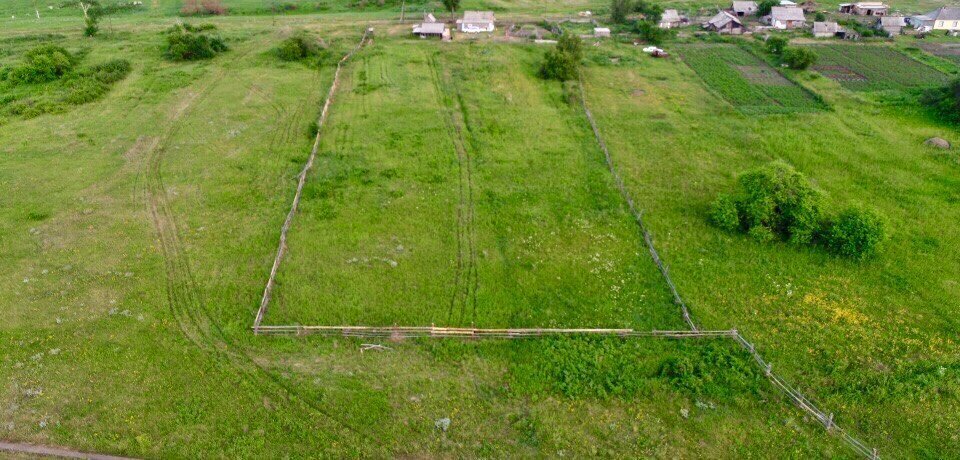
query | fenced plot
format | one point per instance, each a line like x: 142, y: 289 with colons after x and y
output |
x: 872, y: 68
x: 459, y: 191
x: 752, y: 86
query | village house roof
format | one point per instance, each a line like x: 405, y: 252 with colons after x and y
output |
x: 944, y: 13
x: 786, y: 13
x: 722, y: 19
x: 744, y: 7
x: 670, y: 16
x: 477, y: 16
x: 826, y: 28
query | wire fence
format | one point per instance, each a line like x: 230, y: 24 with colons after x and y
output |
x: 301, y: 180
x: 404, y: 332
x: 794, y: 394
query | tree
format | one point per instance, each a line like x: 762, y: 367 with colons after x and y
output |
x: 92, y: 12
x: 651, y: 11
x: 766, y: 6
x: 776, y: 45
x: 820, y: 17
x: 452, y: 6
x: 619, y: 10
x: 799, y: 58
x: 563, y: 61
x: 651, y: 33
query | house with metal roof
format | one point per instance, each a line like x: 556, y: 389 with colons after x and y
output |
x: 865, y: 8
x: 725, y: 22
x: 476, y: 22
x: 785, y: 17
x: 943, y: 18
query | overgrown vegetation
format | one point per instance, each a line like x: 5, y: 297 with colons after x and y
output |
x: 298, y: 47
x: 799, y: 58
x: 776, y: 202
x: 185, y: 42
x: 202, y: 8
x: 563, y: 61
x: 945, y: 101
x: 41, y: 64
x: 48, y: 80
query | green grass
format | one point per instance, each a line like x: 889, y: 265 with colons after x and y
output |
x: 140, y: 228
x: 732, y: 72
x: 875, y: 339
x: 873, y: 68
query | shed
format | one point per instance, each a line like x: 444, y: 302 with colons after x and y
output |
x: 742, y: 9
x: 724, y: 22
x: 476, y: 22
x: 431, y: 29
x: 601, y: 32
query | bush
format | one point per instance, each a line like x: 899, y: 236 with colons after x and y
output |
x: 110, y: 71
x: 187, y: 43
x: 42, y: 64
x: 764, y: 7
x: 799, y: 58
x: 776, y: 45
x: 855, y: 233
x: 563, y: 61
x: 724, y: 213
x: 944, y: 101
x: 770, y: 202
x: 298, y: 47
x: 715, y: 369
x: 651, y: 12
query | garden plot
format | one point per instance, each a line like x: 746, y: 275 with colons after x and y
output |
x: 872, y: 68
x: 752, y: 86
x: 949, y: 51
x: 474, y: 196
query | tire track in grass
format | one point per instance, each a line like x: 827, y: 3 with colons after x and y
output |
x: 185, y: 299
x: 463, y: 298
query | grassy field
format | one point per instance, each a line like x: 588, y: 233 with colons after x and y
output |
x: 872, y: 68
x: 747, y: 82
x: 143, y: 224
x: 875, y: 338
x: 472, y: 196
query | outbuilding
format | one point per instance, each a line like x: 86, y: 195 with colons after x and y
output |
x: 826, y: 29
x: 670, y: 19
x: 943, y: 18
x: 431, y: 29
x: 601, y: 32
x: 892, y: 25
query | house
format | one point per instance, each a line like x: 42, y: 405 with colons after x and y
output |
x: 785, y: 17
x: 724, y: 22
x: 431, y: 29
x: 865, y: 8
x: 742, y: 9
x: 892, y: 25
x: 943, y: 18
x: 601, y: 32
x: 670, y: 19
x: 826, y: 29
x: 476, y: 21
